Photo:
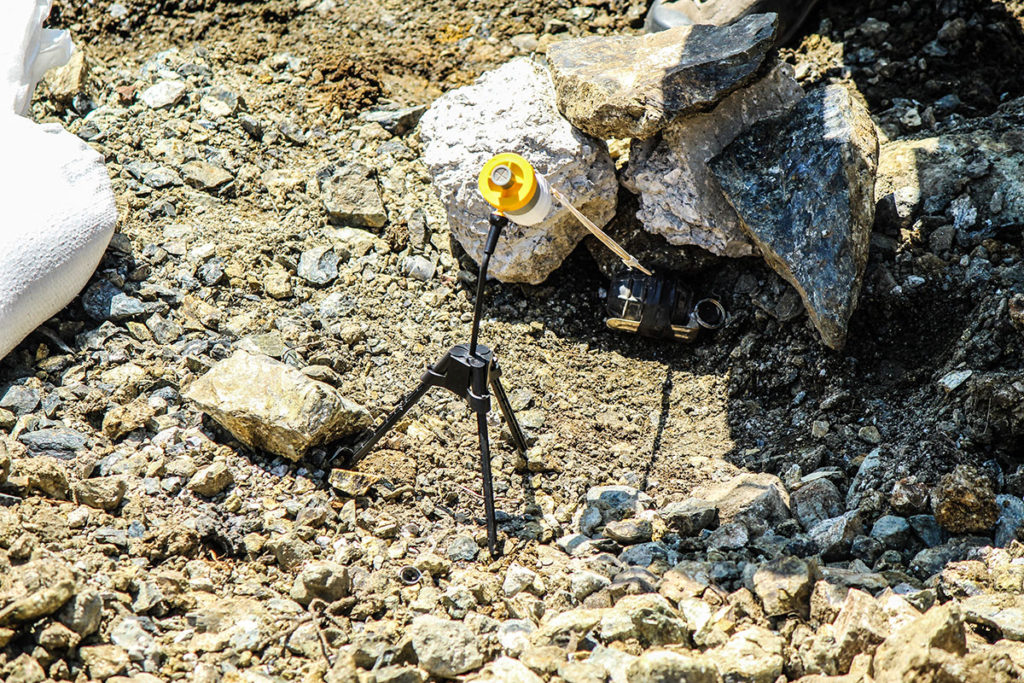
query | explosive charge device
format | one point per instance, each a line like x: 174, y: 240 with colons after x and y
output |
x: 510, y: 184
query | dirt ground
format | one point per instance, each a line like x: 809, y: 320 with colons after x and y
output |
x: 762, y: 393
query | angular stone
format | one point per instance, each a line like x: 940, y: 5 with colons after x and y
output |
x: 318, y: 266
x: 690, y: 517
x: 964, y: 502
x: 667, y: 74
x: 270, y: 405
x: 680, y: 199
x: 69, y: 80
x: 351, y: 196
x: 729, y: 536
x: 104, y: 661
x: 102, y: 493
x: 893, y: 531
x: 784, y: 586
x: 629, y: 531
x: 444, y: 648
x: 833, y: 536
x: 205, y: 176
x: 211, y: 480
x: 803, y: 188
x: 45, y: 475
x: 465, y: 127
x: 664, y: 666
x: 1003, y: 613
x: 649, y: 618
x: 33, y: 590
x: 752, y: 655
x: 757, y: 500
x: 163, y: 94
x: 816, y: 501
x: 83, y: 612
x: 325, y: 581
x: 927, y: 648
x: 859, y: 627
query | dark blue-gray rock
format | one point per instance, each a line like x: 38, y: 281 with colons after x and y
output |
x: 351, y: 196
x: 58, y: 442
x: 104, y: 301
x: 20, y: 399
x: 893, y: 531
x: 933, y: 560
x: 803, y: 188
x: 632, y: 85
x: 729, y: 536
x: 928, y: 530
x: 834, y: 536
x: 318, y: 266
x: 814, y: 501
x: 690, y: 517
x: 648, y: 554
x: 679, y: 198
x: 1010, y: 525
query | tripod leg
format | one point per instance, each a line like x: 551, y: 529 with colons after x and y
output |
x: 480, y: 401
x: 403, y: 407
x: 510, y: 417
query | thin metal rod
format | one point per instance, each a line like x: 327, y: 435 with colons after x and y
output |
x: 600, y: 234
x: 498, y: 223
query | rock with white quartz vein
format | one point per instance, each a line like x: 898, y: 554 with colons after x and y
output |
x: 680, y: 199
x: 512, y: 109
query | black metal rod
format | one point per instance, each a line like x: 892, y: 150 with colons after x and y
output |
x: 510, y: 417
x: 498, y: 223
x: 479, y: 390
x: 406, y: 404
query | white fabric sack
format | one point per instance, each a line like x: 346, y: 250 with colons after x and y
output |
x: 57, y: 211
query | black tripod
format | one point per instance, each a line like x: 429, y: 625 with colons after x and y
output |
x: 469, y: 371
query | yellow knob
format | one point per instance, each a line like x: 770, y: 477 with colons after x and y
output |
x: 507, y: 182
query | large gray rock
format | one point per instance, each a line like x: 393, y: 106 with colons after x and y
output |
x: 679, y: 197
x: 513, y: 109
x: 270, y: 405
x: 757, y: 500
x: 632, y: 85
x: 803, y: 187
x: 444, y: 648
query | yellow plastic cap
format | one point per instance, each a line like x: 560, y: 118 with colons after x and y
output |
x: 507, y: 193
